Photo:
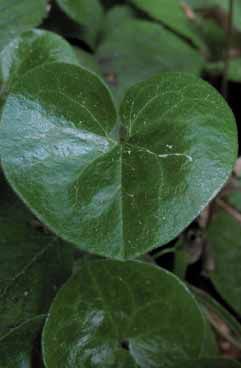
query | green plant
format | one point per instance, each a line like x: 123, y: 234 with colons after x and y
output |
x: 109, y: 152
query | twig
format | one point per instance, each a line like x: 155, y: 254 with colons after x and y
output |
x: 232, y: 211
x: 163, y: 252
x: 227, y: 50
x: 213, y: 320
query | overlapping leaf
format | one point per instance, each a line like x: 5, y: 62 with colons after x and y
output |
x: 234, y: 71
x: 224, y: 240
x: 99, y: 319
x: 170, y: 13
x: 31, y: 49
x: 18, y: 346
x: 223, y: 5
x: 19, y: 16
x: 212, y: 363
x: 138, y: 49
x: 32, y: 266
x: 212, y: 308
x: 87, y: 13
x: 87, y: 60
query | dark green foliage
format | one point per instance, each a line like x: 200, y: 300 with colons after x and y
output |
x: 109, y: 136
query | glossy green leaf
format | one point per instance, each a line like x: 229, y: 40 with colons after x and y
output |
x: 112, y: 312
x: 19, y: 16
x: 32, y: 267
x: 212, y: 363
x: 138, y: 50
x: 170, y: 13
x: 117, y: 195
x: 87, y: 13
x: 31, y: 49
x: 224, y: 235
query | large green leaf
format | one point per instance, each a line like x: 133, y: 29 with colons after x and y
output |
x: 19, y: 16
x: 31, y: 49
x: 171, y: 13
x: 122, y: 314
x: 87, y: 13
x: 224, y: 236
x: 115, y: 194
x: 32, y: 266
x: 138, y: 50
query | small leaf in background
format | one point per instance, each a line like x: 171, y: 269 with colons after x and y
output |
x: 220, y: 9
x: 17, y: 347
x: 31, y: 49
x: 212, y: 363
x: 115, y: 196
x: 87, y: 60
x: 170, y: 13
x: 32, y: 267
x: 214, y: 38
x: 138, y: 49
x: 116, y: 15
x: 204, y: 4
x: 226, y: 326
x: 234, y: 70
x: 209, y: 347
x: 112, y: 311
x: 87, y: 13
x: 19, y: 16
x: 234, y: 197
x: 224, y: 239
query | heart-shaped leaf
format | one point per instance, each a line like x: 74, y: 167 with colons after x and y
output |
x: 115, y: 193
x: 122, y: 314
x: 31, y: 49
x: 87, y: 13
x: 19, y: 16
x: 138, y: 49
x: 32, y: 266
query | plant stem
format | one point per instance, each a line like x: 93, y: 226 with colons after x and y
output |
x: 227, y: 50
x: 163, y: 252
